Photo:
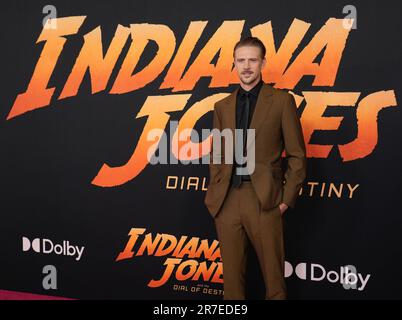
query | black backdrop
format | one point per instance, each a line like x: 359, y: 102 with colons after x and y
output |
x: 50, y: 156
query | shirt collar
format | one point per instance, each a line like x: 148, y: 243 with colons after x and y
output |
x: 254, y: 91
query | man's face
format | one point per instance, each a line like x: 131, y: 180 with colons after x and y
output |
x: 249, y: 63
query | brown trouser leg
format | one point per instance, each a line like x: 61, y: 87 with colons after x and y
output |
x: 239, y: 222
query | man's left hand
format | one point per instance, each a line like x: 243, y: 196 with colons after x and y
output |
x: 283, y: 207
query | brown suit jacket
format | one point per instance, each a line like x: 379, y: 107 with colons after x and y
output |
x: 277, y: 128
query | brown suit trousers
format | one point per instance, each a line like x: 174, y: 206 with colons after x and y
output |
x: 240, y: 222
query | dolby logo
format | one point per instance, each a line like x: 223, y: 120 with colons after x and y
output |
x: 47, y: 246
x: 347, y: 276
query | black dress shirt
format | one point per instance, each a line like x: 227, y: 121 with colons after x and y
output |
x: 240, y: 102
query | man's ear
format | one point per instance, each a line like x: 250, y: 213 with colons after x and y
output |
x: 264, y: 61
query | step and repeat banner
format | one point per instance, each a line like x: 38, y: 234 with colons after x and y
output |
x: 95, y: 205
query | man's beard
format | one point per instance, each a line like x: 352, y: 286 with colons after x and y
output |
x: 249, y: 80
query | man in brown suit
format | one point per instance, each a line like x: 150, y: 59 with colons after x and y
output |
x: 250, y: 207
